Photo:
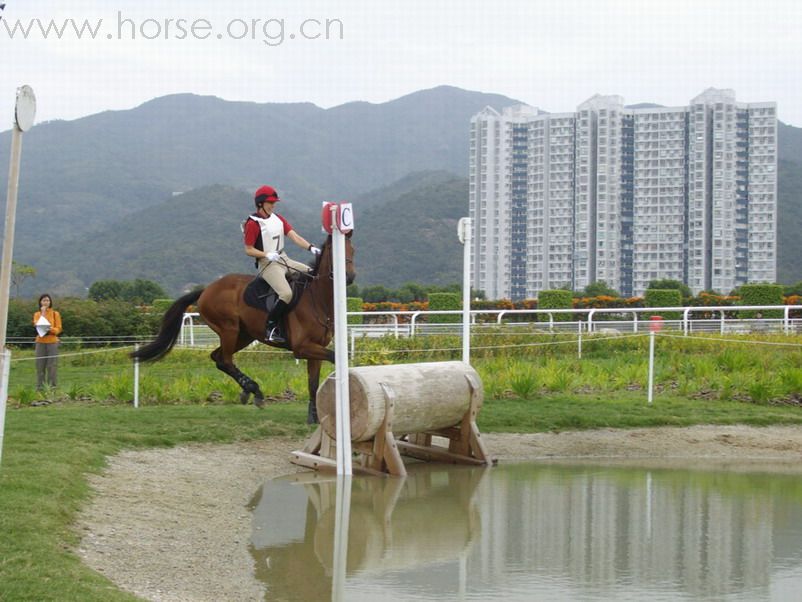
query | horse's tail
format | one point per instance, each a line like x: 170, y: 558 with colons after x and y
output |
x: 169, y: 330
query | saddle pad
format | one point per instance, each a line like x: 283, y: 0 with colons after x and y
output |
x: 257, y: 294
x: 260, y: 295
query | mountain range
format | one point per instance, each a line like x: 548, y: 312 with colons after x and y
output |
x: 159, y: 191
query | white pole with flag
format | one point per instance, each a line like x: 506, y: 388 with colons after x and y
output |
x: 24, y: 114
x: 342, y: 222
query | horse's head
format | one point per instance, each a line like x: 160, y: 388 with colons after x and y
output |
x: 325, y: 264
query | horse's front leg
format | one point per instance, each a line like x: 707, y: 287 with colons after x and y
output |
x: 313, y: 379
x: 312, y: 351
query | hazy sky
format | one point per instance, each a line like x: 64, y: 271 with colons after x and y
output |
x: 553, y: 54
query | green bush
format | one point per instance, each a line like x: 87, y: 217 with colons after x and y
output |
x: 443, y: 302
x: 664, y: 297
x: 556, y: 299
x: 83, y: 318
x: 761, y: 294
x: 160, y: 306
x: 20, y: 318
x: 354, y: 304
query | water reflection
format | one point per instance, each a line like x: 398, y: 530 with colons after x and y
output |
x: 535, y: 531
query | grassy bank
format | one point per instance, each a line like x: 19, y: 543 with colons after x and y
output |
x: 47, y: 454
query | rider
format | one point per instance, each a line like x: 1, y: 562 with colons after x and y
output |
x: 264, y: 240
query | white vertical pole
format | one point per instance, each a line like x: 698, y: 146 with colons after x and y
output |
x: 651, y: 366
x: 465, y: 239
x: 136, y: 378
x: 579, y: 342
x: 8, y: 237
x: 343, y: 398
x: 24, y: 112
x: 6, y: 266
x: 6, y: 369
x: 342, y: 518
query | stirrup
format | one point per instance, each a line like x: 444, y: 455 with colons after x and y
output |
x: 274, y: 335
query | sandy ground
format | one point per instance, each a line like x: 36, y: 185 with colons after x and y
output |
x: 174, y: 524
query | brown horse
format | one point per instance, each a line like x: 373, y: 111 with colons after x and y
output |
x: 309, y: 324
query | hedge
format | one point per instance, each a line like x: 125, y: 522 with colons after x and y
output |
x: 354, y: 304
x: 557, y: 299
x: 664, y: 297
x: 761, y: 294
x: 442, y: 302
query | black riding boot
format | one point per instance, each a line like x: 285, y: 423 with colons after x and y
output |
x: 274, y: 330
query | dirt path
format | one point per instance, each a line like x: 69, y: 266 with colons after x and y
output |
x: 173, y: 525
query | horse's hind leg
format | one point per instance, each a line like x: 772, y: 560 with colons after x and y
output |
x: 223, y: 359
x: 313, y: 380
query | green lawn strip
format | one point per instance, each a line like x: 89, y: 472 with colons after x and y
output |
x: 625, y: 410
x: 47, y: 455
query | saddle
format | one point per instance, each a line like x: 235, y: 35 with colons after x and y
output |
x: 260, y: 295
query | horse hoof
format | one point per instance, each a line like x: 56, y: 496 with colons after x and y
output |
x: 243, y: 397
x: 259, y: 402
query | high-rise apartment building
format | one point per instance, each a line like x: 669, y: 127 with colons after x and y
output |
x: 624, y: 195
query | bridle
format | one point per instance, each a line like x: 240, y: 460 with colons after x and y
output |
x: 325, y: 321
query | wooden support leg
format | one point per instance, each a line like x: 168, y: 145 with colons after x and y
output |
x: 385, y: 448
x: 313, y: 444
x: 474, y: 445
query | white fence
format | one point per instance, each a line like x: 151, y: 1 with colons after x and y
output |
x: 628, y: 320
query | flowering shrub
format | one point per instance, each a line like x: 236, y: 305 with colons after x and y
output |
x: 703, y: 299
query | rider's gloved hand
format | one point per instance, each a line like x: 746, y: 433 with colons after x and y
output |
x: 273, y: 256
x: 314, y: 250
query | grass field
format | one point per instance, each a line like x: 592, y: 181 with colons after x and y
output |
x: 49, y: 450
x: 763, y: 369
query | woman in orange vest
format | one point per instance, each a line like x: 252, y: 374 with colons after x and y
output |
x: 47, y: 343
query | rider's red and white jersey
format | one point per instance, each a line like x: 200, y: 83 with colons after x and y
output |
x: 266, y: 233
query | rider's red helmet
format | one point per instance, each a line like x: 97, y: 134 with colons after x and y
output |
x: 265, y: 194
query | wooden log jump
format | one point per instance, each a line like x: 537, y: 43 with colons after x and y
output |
x: 399, y: 409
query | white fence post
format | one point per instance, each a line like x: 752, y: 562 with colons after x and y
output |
x: 651, y: 366
x: 464, y: 232
x: 136, y: 378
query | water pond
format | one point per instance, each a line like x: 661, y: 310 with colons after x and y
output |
x: 531, y: 532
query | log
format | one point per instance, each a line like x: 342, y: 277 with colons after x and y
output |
x: 426, y: 397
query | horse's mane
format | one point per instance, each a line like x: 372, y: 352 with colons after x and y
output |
x: 319, y: 258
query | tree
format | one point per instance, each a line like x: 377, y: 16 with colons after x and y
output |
x: 667, y: 283
x: 105, y: 290
x: 142, y: 291
x: 375, y: 294
x: 598, y: 289
x: 137, y: 291
x: 20, y: 272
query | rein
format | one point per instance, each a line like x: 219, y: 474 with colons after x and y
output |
x: 325, y: 321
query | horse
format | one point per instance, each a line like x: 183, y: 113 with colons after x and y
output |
x: 309, y: 324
